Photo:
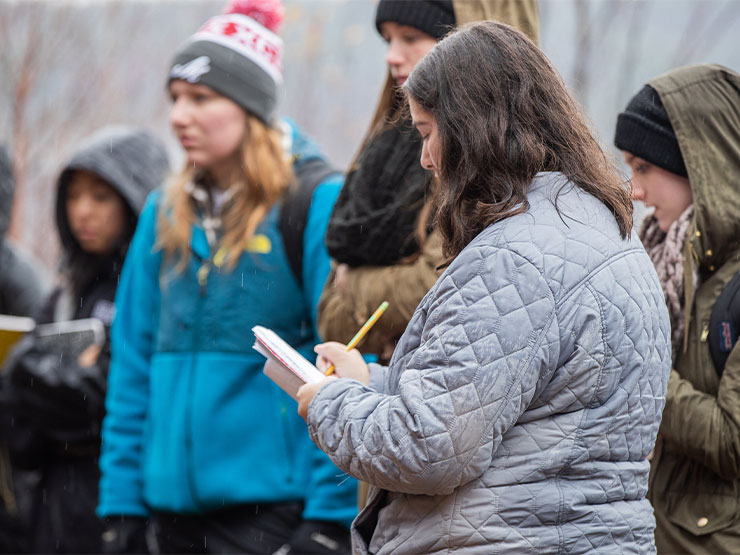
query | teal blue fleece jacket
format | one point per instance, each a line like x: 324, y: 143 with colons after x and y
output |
x: 192, y: 423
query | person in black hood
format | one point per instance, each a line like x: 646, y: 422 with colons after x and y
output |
x: 22, y: 290
x: 21, y: 284
x: 57, y: 405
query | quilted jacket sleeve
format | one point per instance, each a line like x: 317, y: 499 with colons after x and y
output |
x: 484, y: 339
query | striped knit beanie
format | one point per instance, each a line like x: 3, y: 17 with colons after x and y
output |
x: 239, y: 55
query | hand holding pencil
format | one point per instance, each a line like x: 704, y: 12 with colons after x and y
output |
x: 352, y: 364
x: 361, y: 333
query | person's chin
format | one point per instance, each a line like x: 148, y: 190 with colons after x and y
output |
x: 663, y: 225
x: 91, y: 247
x: 196, y: 161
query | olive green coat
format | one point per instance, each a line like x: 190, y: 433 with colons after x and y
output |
x: 695, y: 474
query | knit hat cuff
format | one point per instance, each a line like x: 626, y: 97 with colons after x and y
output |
x: 643, y: 138
x: 427, y: 16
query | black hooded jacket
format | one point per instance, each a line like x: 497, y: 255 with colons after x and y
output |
x: 53, y: 408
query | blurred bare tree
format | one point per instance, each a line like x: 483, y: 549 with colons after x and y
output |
x: 70, y: 67
x: 607, y: 49
x: 65, y: 76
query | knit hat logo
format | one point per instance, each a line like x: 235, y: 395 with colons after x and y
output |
x: 191, y: 71
x: 247, y: 37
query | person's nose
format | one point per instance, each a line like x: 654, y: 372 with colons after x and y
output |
x: 83, y: 207
x: 638, y: 192
x: 394, y: 55
x: 426, y: 159
x: 179, y: 113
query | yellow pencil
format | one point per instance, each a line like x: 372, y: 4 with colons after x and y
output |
x: 360, y: 334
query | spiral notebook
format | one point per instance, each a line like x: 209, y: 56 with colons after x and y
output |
x: 285, y: 366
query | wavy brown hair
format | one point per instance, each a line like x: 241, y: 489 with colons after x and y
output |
x: 503, y: 115
x: 266, y: 175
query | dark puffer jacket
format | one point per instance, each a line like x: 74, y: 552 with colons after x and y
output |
x: 57, y: 406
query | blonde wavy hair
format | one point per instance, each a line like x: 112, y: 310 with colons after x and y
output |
x: 267, y: 174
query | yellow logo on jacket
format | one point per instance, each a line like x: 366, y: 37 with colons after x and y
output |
x: 259, y: 244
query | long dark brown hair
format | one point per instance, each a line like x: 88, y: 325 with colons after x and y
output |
x: 503, y: 115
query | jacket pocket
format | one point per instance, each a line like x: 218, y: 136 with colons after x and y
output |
x: 364, y: 525
x: 690, y: 496
x: 702, y: 513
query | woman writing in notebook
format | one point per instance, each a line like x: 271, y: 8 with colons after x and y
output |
x: 523, y: 398
x: 196, y: 438
x: 378, y: 235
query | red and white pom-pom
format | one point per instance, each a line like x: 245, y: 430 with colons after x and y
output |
x: 268, y: 13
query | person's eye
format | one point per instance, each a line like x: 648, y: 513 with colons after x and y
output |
x: 411, y: 36
x: 201, y: 97
x: 641, y: 168
x: 102, y: 195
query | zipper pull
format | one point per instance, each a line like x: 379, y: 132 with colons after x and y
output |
x: 704, y: 333
x: 220, y: 257
x: 202, y: 275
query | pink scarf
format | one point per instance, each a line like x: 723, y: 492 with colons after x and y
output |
x: 666, y: 252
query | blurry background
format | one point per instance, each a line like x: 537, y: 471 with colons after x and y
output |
x: 68, y: 67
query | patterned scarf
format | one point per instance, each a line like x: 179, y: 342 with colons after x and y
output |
x: 666, y: 252
x: 211, y: 204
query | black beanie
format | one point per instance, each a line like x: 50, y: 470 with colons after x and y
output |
x: 645, y: 130
x: 436, y: 18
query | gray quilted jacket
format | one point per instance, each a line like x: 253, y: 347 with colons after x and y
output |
x: 522, y: 400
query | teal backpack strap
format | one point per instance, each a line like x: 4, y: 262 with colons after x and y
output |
x: 310, y: 173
